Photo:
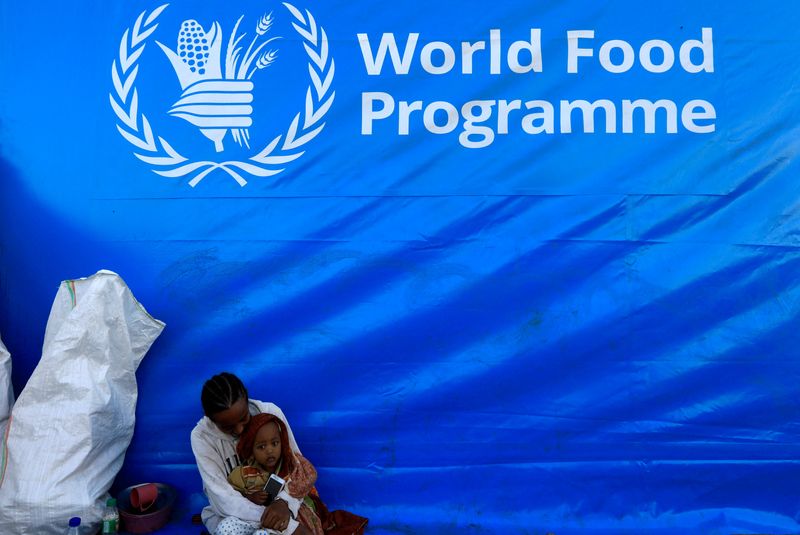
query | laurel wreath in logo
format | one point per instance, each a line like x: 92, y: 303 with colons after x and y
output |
x: 168, y: 162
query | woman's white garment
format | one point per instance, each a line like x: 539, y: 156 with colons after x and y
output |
x: 215, y: 453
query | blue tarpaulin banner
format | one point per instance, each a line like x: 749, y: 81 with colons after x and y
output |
x: 508, y: 267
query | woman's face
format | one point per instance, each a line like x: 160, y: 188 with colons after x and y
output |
x: 267, y: 446
x: 234, y: 419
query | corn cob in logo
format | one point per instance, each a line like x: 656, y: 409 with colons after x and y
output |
x: 217, y: 92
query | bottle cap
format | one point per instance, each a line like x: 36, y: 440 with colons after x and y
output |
x: 111, y: 502
x: 74, y: 522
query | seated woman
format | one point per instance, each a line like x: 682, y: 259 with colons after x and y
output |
x: 215, y: 440
x: 228, y: 409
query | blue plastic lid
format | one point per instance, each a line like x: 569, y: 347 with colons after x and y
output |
x: 74, y: 522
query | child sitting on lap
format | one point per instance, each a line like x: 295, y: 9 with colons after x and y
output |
x: 265, y: 446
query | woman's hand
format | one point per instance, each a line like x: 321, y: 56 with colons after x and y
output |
x: 258, y: 497
x: 276, y: 516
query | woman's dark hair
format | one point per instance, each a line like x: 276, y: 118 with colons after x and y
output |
x: 221, y: 392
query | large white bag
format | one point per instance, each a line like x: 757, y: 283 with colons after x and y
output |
x: 6, y: 394
x: 74, y: 419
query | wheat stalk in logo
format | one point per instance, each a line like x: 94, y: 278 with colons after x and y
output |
x: 216, y: 97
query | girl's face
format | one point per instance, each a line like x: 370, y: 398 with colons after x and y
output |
x: 267, y: 446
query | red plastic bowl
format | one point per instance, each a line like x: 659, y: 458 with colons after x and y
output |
x: 154, y: 518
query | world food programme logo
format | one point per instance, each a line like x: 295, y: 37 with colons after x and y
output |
x: 217, y: 75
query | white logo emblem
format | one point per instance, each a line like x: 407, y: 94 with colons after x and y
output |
x: 217, y: 79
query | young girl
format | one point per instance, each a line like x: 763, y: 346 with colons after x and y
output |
x: 264, y: 445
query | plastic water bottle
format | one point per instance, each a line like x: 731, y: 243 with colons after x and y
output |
x: 111, y: 517
x: 74, y: 526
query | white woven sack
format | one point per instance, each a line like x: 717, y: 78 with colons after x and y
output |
x: 73, y: 421
x: 6, y: 394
